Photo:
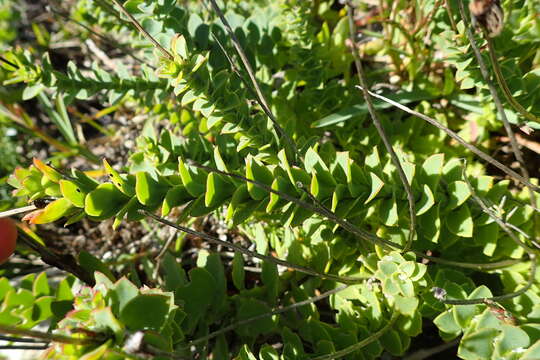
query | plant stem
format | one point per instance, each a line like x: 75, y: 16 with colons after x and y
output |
x: 262, y: 316
x: 215, y: 240
x: 498, y: 220
x: 378, y: 125
x: 9, y: 329
x: 361, y: 344
x: 501, y: 297
x: 502, y: 82
x: 139, y: 27
x: 260, y: 96
x: 500, y: 109
x: 351, y: 227
x: 460, y: 140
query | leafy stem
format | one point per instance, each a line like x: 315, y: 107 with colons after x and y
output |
x: 378, y: 125
x: 272, y: 259
x: 139, y: 27
x: 323, y: 211
x: 361, y: 344
x: 233, y: 326
x: 502, y: 82
x: 501, y: 297
x: 260, y: 96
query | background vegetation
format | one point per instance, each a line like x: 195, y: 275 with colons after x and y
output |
x: 212, y: 181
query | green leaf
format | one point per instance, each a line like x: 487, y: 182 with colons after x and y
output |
x: 40, y: 287
x: 270, y: 278
x: 477, y: 344
x: 511, y: 339
x: 32, y: 91
x: 97, y: 353
x: 280, y: 184
x: 174, y: 273
x: 238, y: 272
x: 426, y: 202
x: 125, y: 186
x: 212, y: 263
x: 91, y: 264
x: 123, y: 292
x: 391, y: 341
x: 53, y: 211
x: 197, y: 296
x: 463, y: 314
x: 405, y: 285
x: 149, y: 191
x: 248, y: 308
x: 376, y: 186
x: 430, y: 223
x: 256, y: 171
x: 406, y: 305
x: 458, y: 193
x: 245, y: 354
x: 85, y: 183
x: 146, y: 311
x: 410, y: 325
x: 104, y: 202
x: 388, y: 212
x: 240, y: 207
x: 72, y: 192
x: 105, y: 319
x: 217, y: 190
x: 47, y: 171
x: 267, y: 352
x: 41, y: 309
x: 460, y: 222
x: 356, y: 179
x: 193, y: 181
x: 360, y: 110
x: 176, y: 196
x: 387, y: 268
x: 532, y: 353
x: 322, y: 184
x: 432, y: 167
x: 447, y: 325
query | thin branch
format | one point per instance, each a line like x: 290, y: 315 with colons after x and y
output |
x: 460, y: 140
x: 60, y: 261
x: 501, y: 297
x: 123, y: 47
x: 24, y: 347
x: 139, y: 27
x: 16, y: 211
x: 450, y: 15
x: 361, y: 344
x: 498, y: 220
x: 502, y: 82
x: 476, y: 266
x: 159, y: 256
x: 215, y: 240
x: 9, y: 329
x: 260, y: 96
x: 378, y: 125
x: 21, y: 340
x: 269, y: 314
